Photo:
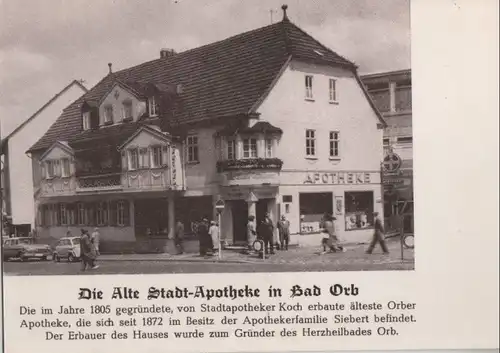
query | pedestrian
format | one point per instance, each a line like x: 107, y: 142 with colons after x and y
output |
x: 378, y: 235
x: 284, y: 232
x: 214, y: 235
x: 95, y: 239
x: 332, y: 240
x: 204, y: 238
x: 179, y: 237
x: 87, y: 251
x: 251, y: 233
x: 266, y: 230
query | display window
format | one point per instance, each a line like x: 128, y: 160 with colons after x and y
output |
x: 313, y: 207
x: 359, y: 210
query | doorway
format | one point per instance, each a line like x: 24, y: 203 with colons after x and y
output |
x: 239, y: 210
x: 151, y: 217
x: 261, y: 209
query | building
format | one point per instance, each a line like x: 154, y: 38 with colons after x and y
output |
x: 17, y: 176
x: 391, y: 92
x: 269, y: 121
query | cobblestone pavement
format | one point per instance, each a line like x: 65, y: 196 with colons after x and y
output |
x: 294, y: 260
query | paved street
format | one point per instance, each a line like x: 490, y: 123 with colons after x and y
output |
x: 297, y: 259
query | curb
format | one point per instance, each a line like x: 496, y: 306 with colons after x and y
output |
x: 183, y: 260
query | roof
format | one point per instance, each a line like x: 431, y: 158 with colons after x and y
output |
x: 222, y: 79
x: 260, y: 126
x: 49, y: 102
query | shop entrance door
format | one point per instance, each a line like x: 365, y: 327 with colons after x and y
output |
x: 239, y: 210
x: 151, y: 217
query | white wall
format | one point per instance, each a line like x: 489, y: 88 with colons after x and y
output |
x: 20, y: 168
x: 286, y: 107
x: 138, y: 107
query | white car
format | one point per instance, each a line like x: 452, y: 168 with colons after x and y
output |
x: 67, y: 248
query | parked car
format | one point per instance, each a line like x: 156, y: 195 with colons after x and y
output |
x: 24, y: 249
x: 67, y: 248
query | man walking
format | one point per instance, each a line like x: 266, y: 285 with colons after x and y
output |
x: 179, y: 237
x: 378, y: 235
x: 284, y: 232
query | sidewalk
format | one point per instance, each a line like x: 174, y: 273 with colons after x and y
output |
x: 355, y: 253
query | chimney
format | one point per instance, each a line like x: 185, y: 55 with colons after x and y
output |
x: 166, y: 53
x: 110, y: 67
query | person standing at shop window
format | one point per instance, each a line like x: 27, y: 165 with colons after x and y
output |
x: 284, y: 232
x: 378, y: 235
x: 267, y: 229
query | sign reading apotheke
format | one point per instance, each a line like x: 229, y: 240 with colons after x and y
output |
x: 338, y: 178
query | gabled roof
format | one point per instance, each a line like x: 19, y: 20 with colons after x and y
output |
x: 147, y: 129
x: 62, y: 145
x: 222, y: 79
x: 49, y: 102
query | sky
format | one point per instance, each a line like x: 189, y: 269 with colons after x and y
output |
x: 45, y: 44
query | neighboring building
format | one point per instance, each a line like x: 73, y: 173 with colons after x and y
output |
x: 391, y: 92
x: 269, y: 121
x: 17, y: 177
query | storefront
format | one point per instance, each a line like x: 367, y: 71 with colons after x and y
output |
x: 351, y: 197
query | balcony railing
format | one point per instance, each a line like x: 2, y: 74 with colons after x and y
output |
x: 109, y: 181
x: 250, y: 163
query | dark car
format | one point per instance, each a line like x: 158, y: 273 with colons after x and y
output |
x: 24, y: 249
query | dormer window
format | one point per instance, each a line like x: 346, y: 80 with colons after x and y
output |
x: 86, y: 121
x: 108, y: 114
x: 127, y: 110
x: 152, y: 108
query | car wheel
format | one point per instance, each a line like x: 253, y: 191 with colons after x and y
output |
x: 56, y: 258
x: 71, y: 258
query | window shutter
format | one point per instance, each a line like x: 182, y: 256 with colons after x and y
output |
x: 164, y: 156
x: 112, y: 213
x: 126, y: 213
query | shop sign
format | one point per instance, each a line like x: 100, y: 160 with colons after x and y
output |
x: 392, y: 162
x: 338, y: 178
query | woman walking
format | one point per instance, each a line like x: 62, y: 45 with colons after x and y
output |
x: 87, y: 252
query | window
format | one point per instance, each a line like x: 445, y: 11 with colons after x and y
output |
x: 120, y: 213
x: 63, y: 214
x: 152, y: 108
x: 65, y: 172
x: 358, y: 210
x: 386, y: 142
x: 269, y: 148
x: 309, y: 87
x: 405, y: 139
x: 133, y: 159
x: 108, y: 114
x: 192, y: 149
x: 310, y: 143
x: 86, y: 121
x: 127, y: 110
x: 49, y: 166
x: 231, y: 149
x: 250, y: 148
x: 157, y: 157
x: 334, y: 143
x: 81, y: 218
x: 333, y: 90
x: 102, y: 213
x: 144, y: 158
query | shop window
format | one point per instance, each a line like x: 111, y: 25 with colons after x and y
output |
x: 358, y: 210
x: 250, y: 148
x: 192, y: 149
x: 313, y: 207
x: 102, y: 213
x: 310, y: 143
x: 81, y: 218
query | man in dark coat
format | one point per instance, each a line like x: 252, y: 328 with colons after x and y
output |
x: 266, y: 230
x: 378, y: 235
x: 87, y: 251
x: 204, y: 238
